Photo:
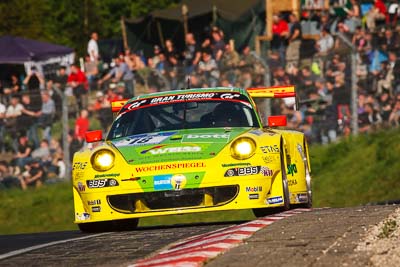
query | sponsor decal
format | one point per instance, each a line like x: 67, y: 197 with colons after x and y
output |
x: 270, y: 158
x: 144, y: 139
x: 229, y: 96
x: 303, y: 197
x: 206, y: 138
x: 185, y: 97
x: 169, y: 181
x: 136, y: 104
x: 94, y: 202
x: 162, y: 182
x: 252, y: 170
x: 256, y: 132
x: 235, y: 164
x: 96, y: 209
x: 171, y: 166
x: 106, y: 175
x: 82, y: 216
x: 78, y: 175
x: 275, y: 200
x: 164, y: 149
x: 79, y: 165
x: 270, y: 149
x: 254, y: 196
x: 81, y: 187
x: 292, y: 169
x: 292, y: 182
x: 100, y: 183
x: 178, y: 181
x: 253, y: 189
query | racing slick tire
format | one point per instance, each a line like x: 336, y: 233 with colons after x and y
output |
x: 261, y: 212
x: 109, y: 226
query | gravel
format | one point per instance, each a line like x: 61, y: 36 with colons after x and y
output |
x: 381, y: 242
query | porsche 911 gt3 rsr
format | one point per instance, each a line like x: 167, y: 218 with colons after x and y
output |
x: 189, y: 151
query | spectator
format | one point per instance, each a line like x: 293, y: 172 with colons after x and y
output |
x: 393, y: 11
x: 57, y: 98
x: 353, y: 19
x: 156, y: 56
x: 294, y: 40
x: 280, y: 33
x: 377, y: 12
x: 93, y: 48
x: 369, y: 120
x: 74, y: 144
x: 61, y: 79
x: 217, y: 44
x: 79, y: 84
x: 23, y: 153
x: 102, y: 109
x: 46, y: 115
x: 191, y: 54
x: 42, y: 152
x: 14, y: 110
x: 34, y: 80
x: 82, y: 125
x: 394, y: 118
x: 28, y: 120
x: 208, y: 67
x: 33, y: 176
x: 91, y: 72
x: 2, y: 127
x: 14, y: 87
x: 120, y: 73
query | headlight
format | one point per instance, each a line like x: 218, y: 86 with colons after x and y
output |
x: 102, y: 160
x: 243, y: 148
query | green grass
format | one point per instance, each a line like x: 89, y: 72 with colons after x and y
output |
x: 353, y: 172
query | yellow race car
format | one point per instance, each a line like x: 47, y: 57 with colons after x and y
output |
x: 188, y: 151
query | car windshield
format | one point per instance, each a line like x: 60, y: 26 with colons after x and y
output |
x: 182, y: 115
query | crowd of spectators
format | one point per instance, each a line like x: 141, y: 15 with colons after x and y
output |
x: 318, y: 65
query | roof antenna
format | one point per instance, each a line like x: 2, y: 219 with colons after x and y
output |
x: 188, y: 84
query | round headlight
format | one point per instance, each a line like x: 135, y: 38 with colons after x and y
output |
x: 102, y: 160
x: 243, y: 148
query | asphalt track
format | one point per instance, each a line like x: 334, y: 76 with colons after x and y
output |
x: 321, y: 237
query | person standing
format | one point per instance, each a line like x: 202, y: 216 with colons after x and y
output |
x: 294, y: 40
x: 79, y: 83
x: 93, y: 48
x: 46, y: 115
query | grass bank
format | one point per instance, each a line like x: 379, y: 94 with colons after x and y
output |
x: 353, y: 172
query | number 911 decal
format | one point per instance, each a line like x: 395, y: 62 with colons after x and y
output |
x: 251, y: 170
x: 100, y: 183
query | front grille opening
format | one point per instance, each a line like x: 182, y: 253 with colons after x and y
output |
x: 165, y: 200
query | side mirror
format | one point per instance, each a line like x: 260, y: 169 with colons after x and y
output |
x: 94, y: 136
x: 275, y: 121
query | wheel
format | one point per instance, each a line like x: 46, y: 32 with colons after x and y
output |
x: 308, y: 204
x: 261, y: 212
x: 109, y: 226
x: 285, y: 184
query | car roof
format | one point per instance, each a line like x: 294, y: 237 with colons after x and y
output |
x: 191, y: 91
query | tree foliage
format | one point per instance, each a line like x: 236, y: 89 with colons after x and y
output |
x: 70, y: 22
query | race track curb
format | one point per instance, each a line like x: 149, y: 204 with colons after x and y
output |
x: 196, y: 250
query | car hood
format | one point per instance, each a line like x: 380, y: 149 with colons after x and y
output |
x: 188, y: 144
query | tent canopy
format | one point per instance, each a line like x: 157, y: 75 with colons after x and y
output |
x: 17, y: 50
x: 240, y: 20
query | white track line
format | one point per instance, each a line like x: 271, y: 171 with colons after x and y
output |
x: 28, y: 249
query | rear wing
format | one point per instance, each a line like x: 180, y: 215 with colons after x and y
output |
x: 274, y: 92
x: 117, y: 105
